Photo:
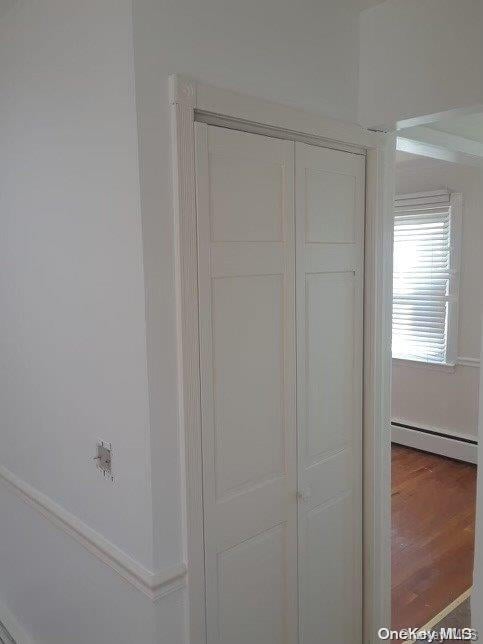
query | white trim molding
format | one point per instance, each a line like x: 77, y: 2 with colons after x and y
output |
x: 416, y: 205
x: 456, y: 227
x: 461, y: 361
x: 379, y: 235
x: 190, y: 100
x: 460, y: 446
x: 9, y: 622
x: 229, y: 104
x: 421, y: 364
x: 451, y: 433
x: 182, y: 104
x: 465, y: 361
x: 154, y: 584
x: 444, y: 613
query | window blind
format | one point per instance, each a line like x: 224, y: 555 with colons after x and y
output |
x: 422, y: 275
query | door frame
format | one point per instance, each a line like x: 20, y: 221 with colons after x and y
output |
x: 190, y: 101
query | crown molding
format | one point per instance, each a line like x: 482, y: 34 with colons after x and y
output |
x: 153, y: 584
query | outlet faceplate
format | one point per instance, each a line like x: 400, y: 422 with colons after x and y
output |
x: 104, y: 459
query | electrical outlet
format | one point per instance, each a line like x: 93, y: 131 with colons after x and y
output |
x: 104, y: 459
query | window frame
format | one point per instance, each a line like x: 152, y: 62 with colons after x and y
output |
x: 452, y: 329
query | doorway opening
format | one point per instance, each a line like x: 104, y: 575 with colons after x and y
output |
x: 438, y: 228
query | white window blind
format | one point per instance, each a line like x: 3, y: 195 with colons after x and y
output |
x: 425, y: 273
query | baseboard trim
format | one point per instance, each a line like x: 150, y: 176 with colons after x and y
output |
x: 461, y: 448
x: 10, y: 622
x: 5, y: 637
x: 154, y: 584
x: 444, y: 613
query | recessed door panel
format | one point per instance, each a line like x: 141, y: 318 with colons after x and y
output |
x: 329, y: 223
x: 246, y: 257
x: 246, y: 187
x: 330, y: 361
x: 261, y: 562
x: 327, y: 614
x: 336, y: 221
x: 248, y: 380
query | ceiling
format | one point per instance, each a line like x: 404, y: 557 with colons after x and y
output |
x: 469, y: 126
x: 366, y: 4
x: 416, y: 161
x: 5, y: 5
x: 404, y: 157
x: 457, y: 139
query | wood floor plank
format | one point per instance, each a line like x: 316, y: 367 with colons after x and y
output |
x: 433, y: 525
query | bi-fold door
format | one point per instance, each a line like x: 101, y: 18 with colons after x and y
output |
x: 280, y: 302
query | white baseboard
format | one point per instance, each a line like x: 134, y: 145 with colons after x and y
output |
x: 8, y: 619
x: 444, y: 613
x: 433, y: 441
x: 5, y: 637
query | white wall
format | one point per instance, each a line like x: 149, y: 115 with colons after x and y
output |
x: 61, y: 594
x: 72, y: 327
x: 87, y: 332
x: 419, y: 57
x: 304, y: 54
x: 428, y: 396
x: 71, y: 280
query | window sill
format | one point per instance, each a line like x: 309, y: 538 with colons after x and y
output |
x: 420, y: 364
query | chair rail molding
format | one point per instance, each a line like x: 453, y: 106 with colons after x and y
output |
x: 153, y: 584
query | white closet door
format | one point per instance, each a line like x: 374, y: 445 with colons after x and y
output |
x: 329, y: 222
x: 247, y: 334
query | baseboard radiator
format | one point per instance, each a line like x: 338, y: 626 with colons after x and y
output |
x: 5, y: 637
x: 436, y: 441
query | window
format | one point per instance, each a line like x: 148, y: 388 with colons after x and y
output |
x: 427, y: 240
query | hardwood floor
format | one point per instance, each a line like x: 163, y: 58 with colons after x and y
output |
x: 433, y: 516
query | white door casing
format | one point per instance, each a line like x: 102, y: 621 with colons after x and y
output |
x: 246, y: 251
x: 190, y: 100
x: 329, y: 189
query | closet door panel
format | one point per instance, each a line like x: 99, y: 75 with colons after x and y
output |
x: 336, y: 223
x: 260, y: 560
x: 329, y: 224
x: 246, y: 259
x: 248, y: 368
x: 328, y: 605
x: 330, y: 361
x: 247, y: 187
